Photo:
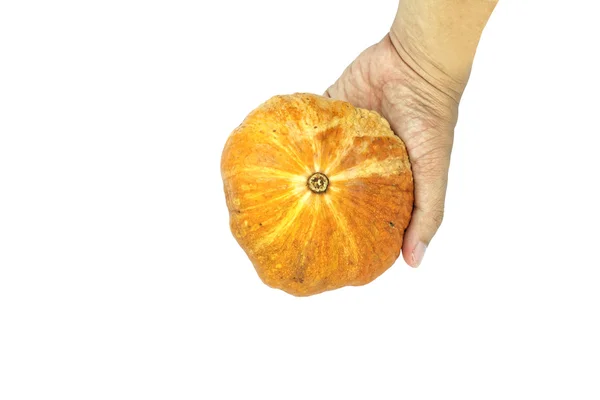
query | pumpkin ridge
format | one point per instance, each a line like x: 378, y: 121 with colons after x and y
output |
x: 284, y: 225
x: 317, y: 153
x: 249, y: 195
x: 355, y: 210
x: 288, y: 195
x: 370, y: 167
x: 343, y: 226
x: 303, y: 267
x: 290, y: 152
x: 260, y: 172
x: 342, y: 152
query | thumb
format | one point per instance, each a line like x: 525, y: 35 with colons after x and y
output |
x: 333, y: 93
x: 338, y: 89
x: 430, y: 173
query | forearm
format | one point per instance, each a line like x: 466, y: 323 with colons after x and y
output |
x: 439, y: 38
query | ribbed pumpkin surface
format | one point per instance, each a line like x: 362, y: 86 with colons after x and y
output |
x: 319, y: 193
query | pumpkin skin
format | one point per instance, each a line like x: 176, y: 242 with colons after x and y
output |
x: 319, y: 193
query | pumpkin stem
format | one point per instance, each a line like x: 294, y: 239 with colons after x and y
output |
x: 318, y: 182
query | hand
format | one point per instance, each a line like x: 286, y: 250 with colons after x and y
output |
x: 423, y: 114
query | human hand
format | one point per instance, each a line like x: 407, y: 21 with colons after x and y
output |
x: 422, y: 110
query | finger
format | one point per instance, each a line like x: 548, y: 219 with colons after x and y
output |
x: 334, y: 91
x: 430, y: 172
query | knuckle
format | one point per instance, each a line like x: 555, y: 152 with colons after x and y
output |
x: 437, y: 217
x: 432, y: 161
x: 434, y: 213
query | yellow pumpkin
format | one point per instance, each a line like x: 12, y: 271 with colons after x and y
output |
x: 319, y: 193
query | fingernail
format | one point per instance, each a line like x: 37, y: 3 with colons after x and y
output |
x: 418, y: 253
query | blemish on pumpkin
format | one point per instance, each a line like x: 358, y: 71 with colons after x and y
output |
x: 392, y: 224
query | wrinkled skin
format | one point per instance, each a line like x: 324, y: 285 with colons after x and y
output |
x: 422, y: 110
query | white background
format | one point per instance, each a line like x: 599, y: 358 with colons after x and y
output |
x: 119, y: 278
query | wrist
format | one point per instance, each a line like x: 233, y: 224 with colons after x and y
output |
x: 438, y: 39
x: 450, y: 82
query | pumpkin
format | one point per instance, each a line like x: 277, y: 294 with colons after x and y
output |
x: 319, y: 193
